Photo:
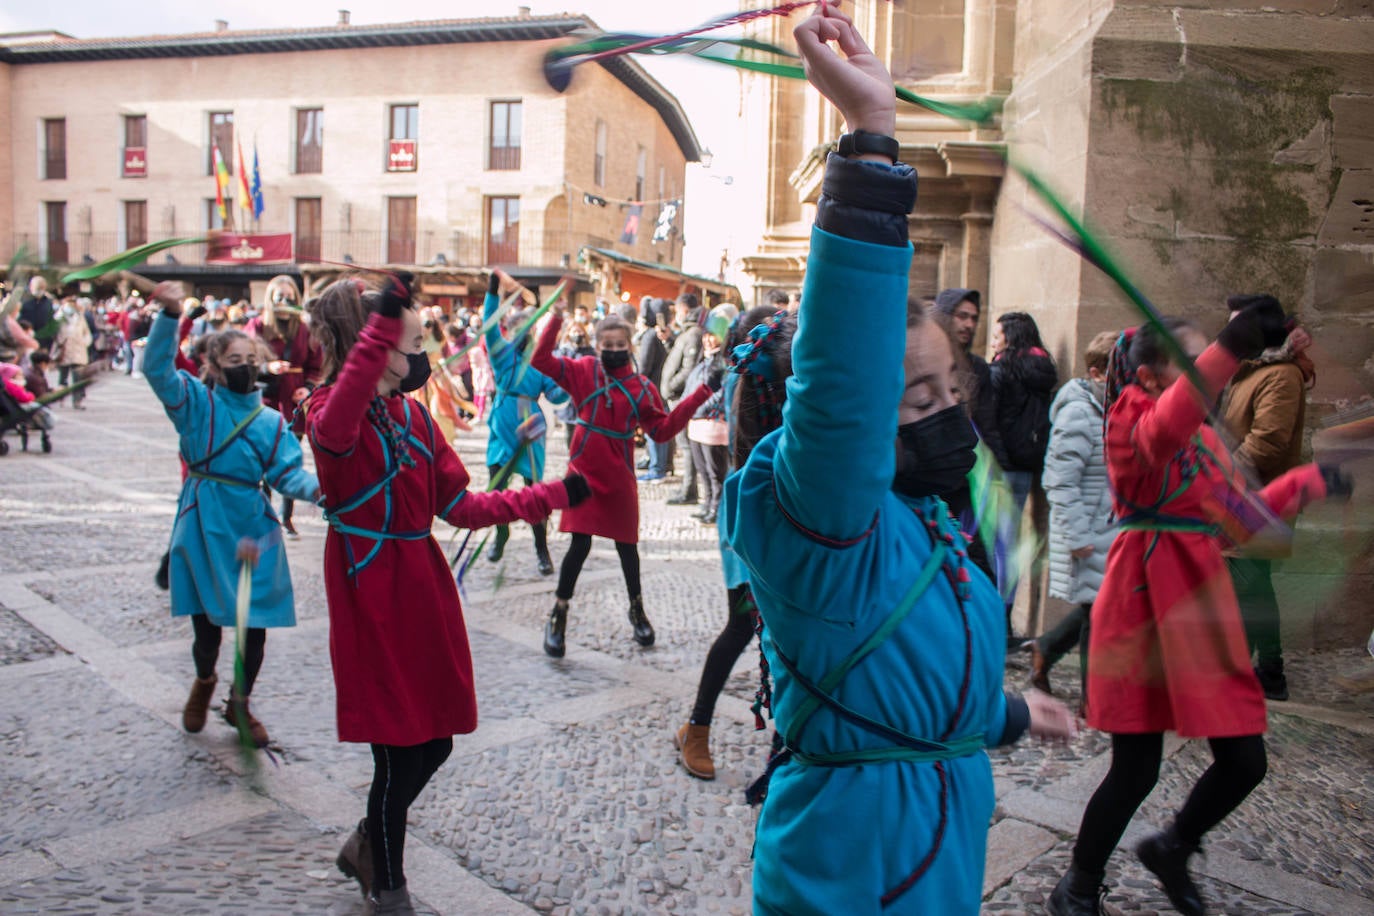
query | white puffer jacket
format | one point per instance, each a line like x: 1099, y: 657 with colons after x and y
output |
x: 1075, y: 481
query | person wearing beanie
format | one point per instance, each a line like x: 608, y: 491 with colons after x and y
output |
x: 1265, y: 409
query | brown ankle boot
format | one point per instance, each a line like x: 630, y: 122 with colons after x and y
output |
x: 198, y: 703
x: 694, y: 741
x: 236, y: 707
x: 355, y: 859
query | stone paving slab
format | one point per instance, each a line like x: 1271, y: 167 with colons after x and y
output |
x: 20, y: 642
x: 275, y: 863
x: 600, y: 816
x: 78, y: 756
x: 1313, y: 810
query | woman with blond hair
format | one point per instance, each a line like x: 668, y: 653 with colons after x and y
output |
x: 295, y: 364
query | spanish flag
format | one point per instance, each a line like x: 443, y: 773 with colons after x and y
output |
x: 221, y: 184
x: 245, y: 195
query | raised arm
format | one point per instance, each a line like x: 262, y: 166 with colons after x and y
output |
x: 557, y: 368
x: 179, y: 392
x: 1176, y: 416
x: 661, y: 426
x: 336, y: 424
x: 835, y: 459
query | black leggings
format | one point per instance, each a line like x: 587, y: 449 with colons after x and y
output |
x: 1238, y: 766
x: 725, y: 651
x: 398, y: 776
x: 205, y: 650
x: 541, y: 531
x: 577, y: 555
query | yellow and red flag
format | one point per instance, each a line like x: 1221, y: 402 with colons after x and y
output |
x: 221, y: 184
x: 244, y: 193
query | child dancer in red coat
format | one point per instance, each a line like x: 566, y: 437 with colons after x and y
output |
x: 402, y: 668
x: 1168, y: 650
x: 611, y: 399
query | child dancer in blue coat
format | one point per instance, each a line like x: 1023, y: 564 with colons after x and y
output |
x: 231, y: 443
x: 886, y: 647
x: 518, y: 389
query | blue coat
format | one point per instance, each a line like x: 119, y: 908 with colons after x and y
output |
x: 227, y: 503
x: 831, y: 551
x: 515, y: 400
x: 730, y: 564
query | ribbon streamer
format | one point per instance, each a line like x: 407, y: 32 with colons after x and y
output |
x: 128, y: 259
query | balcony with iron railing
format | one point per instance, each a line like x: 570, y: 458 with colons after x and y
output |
x: 530, y: 248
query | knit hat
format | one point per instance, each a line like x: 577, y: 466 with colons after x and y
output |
x: 948, y: 300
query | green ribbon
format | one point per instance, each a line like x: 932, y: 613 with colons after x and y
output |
x: 127, y: 259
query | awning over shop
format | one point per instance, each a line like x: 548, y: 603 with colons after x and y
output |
x: 619, y: 276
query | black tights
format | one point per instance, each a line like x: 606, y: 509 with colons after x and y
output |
x: 1238, y: 766
x: 540, y: 529
x: 725, y: 651
x: 577, y: 555
x: 205, y: 650
x: 398, y: 776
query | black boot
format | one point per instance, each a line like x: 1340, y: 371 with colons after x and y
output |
x: 541, y: 549
x: 1078, y: 893
x: 1272, y: 680
x: 161, y: 579
x: 553, y: 630
x: 1167, y: 856
x: 644, y: 631
x: 498, y: 547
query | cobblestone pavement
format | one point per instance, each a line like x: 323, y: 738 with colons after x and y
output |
x: 568, y: 798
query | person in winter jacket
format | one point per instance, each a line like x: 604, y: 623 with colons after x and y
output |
x: 682, y: 358
x: 964, y: 307
x: 1167, y: 650
x: 1081, y: 524
x: 1023, y: 383
x: 402, y: 667
x: 1265, y: 408
x: 707, y: 435
x: 652, y: 356
x: 71, y: 348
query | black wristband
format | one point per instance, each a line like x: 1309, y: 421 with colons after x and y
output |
x: 861, y: 142
x: 493, y: 284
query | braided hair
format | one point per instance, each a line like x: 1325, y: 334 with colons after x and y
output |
x: 762, y: 356
x: 1136, y: 347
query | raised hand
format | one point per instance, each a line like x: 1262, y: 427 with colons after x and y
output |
x: 169, y: 295
x: 857, y: 83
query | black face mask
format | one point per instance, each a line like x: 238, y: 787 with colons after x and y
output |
x: 240, y: 379
x: 935, y: 453
x: 615, y: 359
x: 418, y: 374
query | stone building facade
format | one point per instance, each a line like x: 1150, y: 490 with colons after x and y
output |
x: 1216, y: 147
x: 437, y: 144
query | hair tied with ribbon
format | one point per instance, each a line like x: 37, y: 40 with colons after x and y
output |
x: 752, y: 358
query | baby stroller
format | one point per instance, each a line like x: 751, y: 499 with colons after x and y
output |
x: 24, y: 418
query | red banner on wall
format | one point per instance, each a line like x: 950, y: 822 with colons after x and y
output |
x: 231, y: 248
x: 402, y: 157
x: 135, y: 162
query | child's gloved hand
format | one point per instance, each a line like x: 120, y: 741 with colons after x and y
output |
x: 395, y: 297
x: 1256, y: 328
x: 716, y: 377
x: 579, y: 491
x: 1339, y: 484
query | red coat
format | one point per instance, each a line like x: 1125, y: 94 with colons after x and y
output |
x: 1168, y: 650
x: 608, y: 410
x: 402, y: 668
x: 306, y: 359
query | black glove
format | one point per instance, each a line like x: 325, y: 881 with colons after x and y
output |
x: 579, y: 491
x: 715, y: 377
x: 1260, y: 325
x: 493, y: 284
x: 395, y: 297
x: 196, y: 312
x: 1339, y: 484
